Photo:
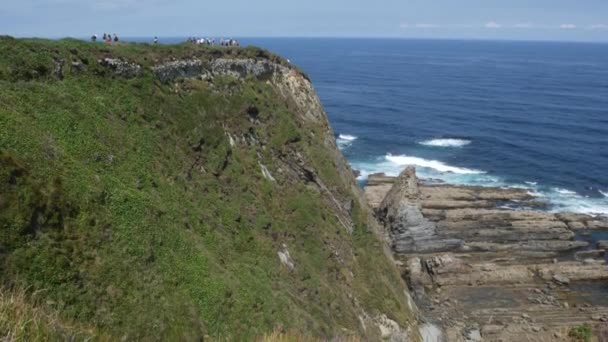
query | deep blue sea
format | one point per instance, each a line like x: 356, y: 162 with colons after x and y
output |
x: 491, y: 113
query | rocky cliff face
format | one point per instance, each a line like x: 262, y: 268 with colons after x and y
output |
x: 185, y: 192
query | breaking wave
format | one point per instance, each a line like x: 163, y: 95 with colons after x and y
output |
x: 345, y: 140
x: 564, y: 192
x: 430, y: 164
x: 347, y: 137
x: 434, y: 171
x: 446, y: 142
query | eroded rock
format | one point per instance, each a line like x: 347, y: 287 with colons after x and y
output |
x: 121, y: 67
x: 409, y: 230
x: 286, y: 258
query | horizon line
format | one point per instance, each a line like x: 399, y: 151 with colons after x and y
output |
x: 331, y: 37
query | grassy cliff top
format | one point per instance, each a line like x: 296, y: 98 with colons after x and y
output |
x: 28, y: 58
x: 151, y: 210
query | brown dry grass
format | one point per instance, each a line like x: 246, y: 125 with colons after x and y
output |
x: 21, y: 320
x: 278, y: 336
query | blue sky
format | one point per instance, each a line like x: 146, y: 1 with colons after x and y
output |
x: 584, y: 20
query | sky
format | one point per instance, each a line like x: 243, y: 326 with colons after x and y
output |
x: 569, y: 20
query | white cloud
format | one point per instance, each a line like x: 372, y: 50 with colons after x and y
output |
x: 523, y: 25
x: 567, y: 26
x: 427, y: 26
x: 418, y: 26
x: 599, y: 27
x: 104, y: 5
x: 493, y: 25
x: 464, y: 26
x: 110, y: 5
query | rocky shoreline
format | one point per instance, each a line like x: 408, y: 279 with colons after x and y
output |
x: 488, y: 263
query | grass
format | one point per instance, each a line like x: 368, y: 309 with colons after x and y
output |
x: 123, y: 201
x: 20, y: 320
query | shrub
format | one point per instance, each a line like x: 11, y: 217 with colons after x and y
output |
x: 581, y: 333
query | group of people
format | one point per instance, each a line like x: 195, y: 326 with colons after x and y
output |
x: 211, y: 41
x: 107, y: 38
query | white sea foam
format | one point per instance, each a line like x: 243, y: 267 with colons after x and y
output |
x: 567, y: 200
x: 565, y: 192
x: 395, y: 166
x: 588, y: 206
x: 345, y: 140
x: 535, y: 193
x: 446, y: 142
x: 515, y: 186
x: 559, y: 199
x: 431, y: 164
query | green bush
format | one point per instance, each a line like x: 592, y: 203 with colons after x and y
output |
x: 581, y: 333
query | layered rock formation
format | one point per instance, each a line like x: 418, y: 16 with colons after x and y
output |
x: 473, y: 253
x: 409, y: 231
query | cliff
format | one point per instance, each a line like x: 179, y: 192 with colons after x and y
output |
x: 181, y: 192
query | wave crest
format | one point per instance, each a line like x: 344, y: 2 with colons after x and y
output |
x: 446, y: 142
x: 347, y: 137
x: 431, y: 164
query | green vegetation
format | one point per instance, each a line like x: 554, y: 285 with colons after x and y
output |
x: 125, y: 207
x: 581, y: 333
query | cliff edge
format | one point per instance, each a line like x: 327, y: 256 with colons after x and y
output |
x: 154, y: 192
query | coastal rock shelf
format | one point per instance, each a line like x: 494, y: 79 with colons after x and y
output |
x: 490, y: 262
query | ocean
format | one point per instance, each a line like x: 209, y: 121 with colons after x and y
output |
x: 492, y: 113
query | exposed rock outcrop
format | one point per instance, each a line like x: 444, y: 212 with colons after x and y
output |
x: 427, y: 218
x: 501, y: 249
x: 188, y: 68
x: 407, y: 227
x: 121, y: 67
x: 238, y: 68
